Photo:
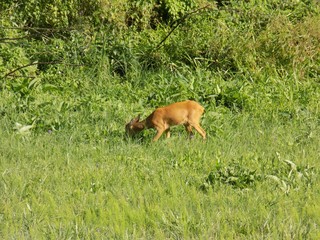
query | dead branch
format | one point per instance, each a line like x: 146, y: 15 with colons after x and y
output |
x: 176, y: 23
x: 38, y: 63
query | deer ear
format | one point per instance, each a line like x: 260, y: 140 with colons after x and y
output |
x: 135, y: 120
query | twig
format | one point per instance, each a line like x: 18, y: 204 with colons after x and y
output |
x: 38, y: 63
x: 36, y: 31
x: 39, y: 28
x: 21, y: 76
x: 27, y: 65
x: 178, y: 22
x: 4, y: 40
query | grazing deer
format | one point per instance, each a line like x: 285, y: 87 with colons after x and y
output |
x: 187, y: 113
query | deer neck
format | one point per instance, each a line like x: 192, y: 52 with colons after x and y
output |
x: 144, y: 123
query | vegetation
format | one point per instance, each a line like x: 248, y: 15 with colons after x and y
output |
x: 72, y: 75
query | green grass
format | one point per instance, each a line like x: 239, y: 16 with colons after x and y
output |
x: 66, y: 93
x: 59, y: 186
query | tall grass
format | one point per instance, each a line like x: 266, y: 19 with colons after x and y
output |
x: 251, y: 179
x: 67, y: 170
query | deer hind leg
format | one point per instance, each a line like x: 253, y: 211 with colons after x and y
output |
x: 189, y: 130
x: 199, y: 129
x: 168, y: 133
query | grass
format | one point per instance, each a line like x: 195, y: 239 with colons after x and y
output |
x: 57, y: 186
x: 67, y: 172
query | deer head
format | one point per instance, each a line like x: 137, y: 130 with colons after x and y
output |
x: 134, y: 126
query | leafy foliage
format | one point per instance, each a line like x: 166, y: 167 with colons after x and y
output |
x: 234, y: 175
x: 289, y: 176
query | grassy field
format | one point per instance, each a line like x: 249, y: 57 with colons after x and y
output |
x: 252, y: 179
x: 73, y: 73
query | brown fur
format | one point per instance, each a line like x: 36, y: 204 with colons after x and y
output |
x: 187, y: 113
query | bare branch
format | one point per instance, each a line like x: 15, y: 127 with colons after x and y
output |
x: 39, y: 28
x: 4, y: 40
x: 38, y: 63
x: 176, y: 23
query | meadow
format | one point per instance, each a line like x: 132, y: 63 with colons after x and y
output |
x: 69, y: 172
x: 252, y: 180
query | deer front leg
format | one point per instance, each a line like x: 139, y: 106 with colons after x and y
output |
x: 158, y: 135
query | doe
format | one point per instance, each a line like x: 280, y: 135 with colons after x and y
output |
x: 187, y: 113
